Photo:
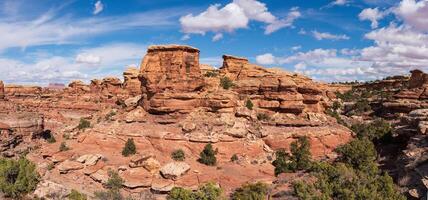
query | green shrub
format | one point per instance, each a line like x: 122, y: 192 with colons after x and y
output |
x: 359, y: 154
x: 249, y: 104
x: 361, y: 106
x: 178, y: 155
x: 341, y: 181
x: 114, y: 184
x: 51, y: 139
x: 207, y: 156
x: 336, y: 105
x: 17, y: 177
x: 226, y: 83
x: 256, y: 191
x: 300, y: 158
x: 75, y: 195
x: 50, y: 166
x: 129, y: 148
x: 374, y: 131
x: 63, y: 147
x: 66, y: 136
x: 234, y: 158
x: 84, y: 124
x: 207, y: 191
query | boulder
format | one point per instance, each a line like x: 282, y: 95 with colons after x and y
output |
x: 51, y: 191
x: 174, y: 170
x: 69, y: 165
x: 89, y: 159
x: 101, y: 176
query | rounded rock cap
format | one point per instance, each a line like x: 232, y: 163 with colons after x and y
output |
x: 172, y: 47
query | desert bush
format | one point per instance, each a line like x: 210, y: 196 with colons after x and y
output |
x: 207, y: 156
x: 359, y: 154
x: 207, y: 191
x: 129, y: 148
x: 63, y: 147
x: 256, y: 191
x: 234, y: 158
x: 114, y: 184
x: 249, y: 104
x: 110, y: 115
x: 300, y: 158
x: 226, y: 83
x: 178, y: 155
x: 84, y: 124
x: 75, y: 195
x: 336, y: 105
x: 17, y: 177
x: 374, y: 131
x: 361, y: 106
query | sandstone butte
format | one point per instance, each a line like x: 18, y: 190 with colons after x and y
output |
x: 172, y: 102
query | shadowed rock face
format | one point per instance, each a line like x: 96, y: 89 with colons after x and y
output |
x: 131, y: 82
x: 1, y: 90
x: 418, y: 79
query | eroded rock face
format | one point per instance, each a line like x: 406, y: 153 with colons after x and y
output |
x: 131, y: 82
x: 1, y: 90
x: 418, y: 79
x: 22, y: 91
x: 273, y: 89
x: 25, y: 123
x: 167, y: 71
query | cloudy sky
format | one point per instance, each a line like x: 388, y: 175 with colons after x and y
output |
x: 330, y: 40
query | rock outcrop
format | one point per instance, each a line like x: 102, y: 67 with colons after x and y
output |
x: 1, y: 90
x: 131, y: 82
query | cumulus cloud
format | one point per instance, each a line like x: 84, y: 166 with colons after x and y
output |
x: 373, y: 15
x: 265, y: 59
x: 295, y: 48
x: 217, y: 37
x: 414, y: 13
x: 88, y: 58
x: 329, y: 36
x: 233, y: 16
x: 98, y: 7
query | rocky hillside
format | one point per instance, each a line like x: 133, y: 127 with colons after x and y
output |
x: 166, y: 113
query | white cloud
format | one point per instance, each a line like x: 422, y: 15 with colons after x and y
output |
x: 414, y: 13
x: 295, y: 48
x: 373, y: 15
x: 339, y: 2
x: 217, y: 37
x: 283, y: 23
x: 233, y: 16
x: 52, y: 28
x: 98, y: 7
x: 88, y: 58
x: 265, y: 59
x: 329, y: 36
x: 185, y: 37
x: 83, y: 64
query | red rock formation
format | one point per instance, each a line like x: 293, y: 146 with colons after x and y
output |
x: 22, y: 91
x: 418, y: 79
x: 168, y: 75
x: 1, y: 90
x: 112, y: 85
x: 131, y: 82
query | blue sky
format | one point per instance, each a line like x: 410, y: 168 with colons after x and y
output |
x: 328, y: 40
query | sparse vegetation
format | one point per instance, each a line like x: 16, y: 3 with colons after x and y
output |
x: 75, y: 195
x: 66, y: 136
x: 354, y: 175
x: 300, y: 158
x: 110, y: 115
x: 263, y: 117
x: 84, y: 124
x: 234, y: 158
x: 178, y: 155
x: 129, y: 148
x: 377, y: 130
x: 63, y: 147
x: 207, y: 156
x: 209, y: 191
x: 50, y: 166
x: 249, y: 104
x: 17, y: 177
x: 114, y: 184
x: 256, y: 191
x: 211, y: 74
x: 226, y: 83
